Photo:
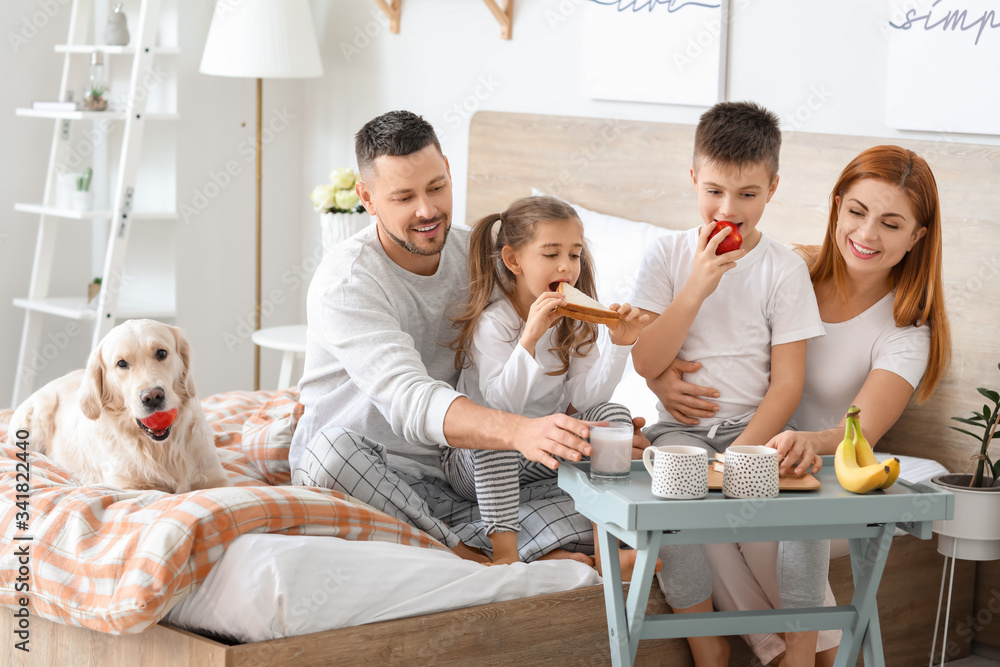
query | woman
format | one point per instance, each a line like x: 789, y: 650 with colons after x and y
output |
x: 877, y: 279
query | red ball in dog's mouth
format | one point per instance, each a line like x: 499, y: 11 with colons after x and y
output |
x: 157, y: 425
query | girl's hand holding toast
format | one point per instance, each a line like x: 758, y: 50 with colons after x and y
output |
x: 541, y: 316
x: 631, y: 323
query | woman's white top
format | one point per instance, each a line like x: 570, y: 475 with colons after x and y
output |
x: 838, y: 363
x: 504, y: 376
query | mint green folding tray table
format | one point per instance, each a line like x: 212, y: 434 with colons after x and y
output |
x: 627, y: 510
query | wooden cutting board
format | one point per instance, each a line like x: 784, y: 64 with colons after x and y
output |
x: 789, y: 483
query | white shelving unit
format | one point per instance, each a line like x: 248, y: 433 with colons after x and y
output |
x: 131, y: 223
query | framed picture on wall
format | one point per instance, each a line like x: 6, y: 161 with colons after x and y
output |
x: 942, y: 63
x: 662, y: 51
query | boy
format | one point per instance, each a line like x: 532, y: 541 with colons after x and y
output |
x: 745, y: 315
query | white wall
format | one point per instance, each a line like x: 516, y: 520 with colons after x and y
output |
x: 820, y: 67
x: 214, y: 245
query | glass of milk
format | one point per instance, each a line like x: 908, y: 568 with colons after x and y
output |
x: 612, y: 456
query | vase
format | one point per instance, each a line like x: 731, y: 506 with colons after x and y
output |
x: 974, y: 533
x: 83, y: 200
x: 336, y: 227
x: 116, y: 30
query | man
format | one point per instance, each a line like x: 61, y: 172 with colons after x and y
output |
x: 378, y: 386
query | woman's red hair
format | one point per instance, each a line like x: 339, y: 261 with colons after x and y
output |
x: 917, y: 277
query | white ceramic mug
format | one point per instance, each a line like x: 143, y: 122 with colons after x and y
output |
x: 612, y: 455
x: 679, y: 472
x: 750, y: 471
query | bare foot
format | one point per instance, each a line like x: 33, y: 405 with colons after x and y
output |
x: 500, y: 560
x: 563, y: 554
x: 626, y: 560
x: 468, y: 553
x: 504, y: 545
x: 800, y: 649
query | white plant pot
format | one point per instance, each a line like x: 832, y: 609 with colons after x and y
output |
x: 65, y: 189
x: 974, y: 533
x: 336, y: 227
x: 83, y: 200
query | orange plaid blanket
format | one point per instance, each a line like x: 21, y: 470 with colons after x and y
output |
x: 118, y: 561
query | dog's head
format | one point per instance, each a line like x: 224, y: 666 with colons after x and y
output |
x: 140, y: 368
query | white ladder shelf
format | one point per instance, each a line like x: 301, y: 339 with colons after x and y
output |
x: 132, y: 119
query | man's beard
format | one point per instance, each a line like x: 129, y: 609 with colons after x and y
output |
x: 411, y: 247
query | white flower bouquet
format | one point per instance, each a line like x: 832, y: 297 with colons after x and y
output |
x: 339, y: 195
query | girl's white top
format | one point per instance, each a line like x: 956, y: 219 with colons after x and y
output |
x: 504, y: 376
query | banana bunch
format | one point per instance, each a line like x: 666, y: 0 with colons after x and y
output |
x: 858, y: 470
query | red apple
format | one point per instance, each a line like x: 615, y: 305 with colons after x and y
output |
x: 159, y: 421
x: 731, y: 242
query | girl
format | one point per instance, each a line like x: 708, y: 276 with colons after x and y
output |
x: 517, y: 354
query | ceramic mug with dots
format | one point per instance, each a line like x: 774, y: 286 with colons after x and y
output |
x: 679, y: 472
x: 750, y: 471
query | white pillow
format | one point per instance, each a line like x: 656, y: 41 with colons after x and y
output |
x: 617, y: 245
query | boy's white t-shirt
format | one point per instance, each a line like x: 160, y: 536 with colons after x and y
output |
x: 766, y: 300
x: 503, y: 376
x: 838, y: 364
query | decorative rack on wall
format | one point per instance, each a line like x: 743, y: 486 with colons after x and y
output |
x: 504, y: 15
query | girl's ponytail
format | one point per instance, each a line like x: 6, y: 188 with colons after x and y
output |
x: 484, y: 253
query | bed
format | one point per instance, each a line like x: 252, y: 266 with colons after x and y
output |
x: 634, y: 170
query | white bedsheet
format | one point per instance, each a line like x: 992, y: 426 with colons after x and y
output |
x: 272, y: 586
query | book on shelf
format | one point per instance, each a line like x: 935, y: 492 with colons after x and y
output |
x: 44, y: 105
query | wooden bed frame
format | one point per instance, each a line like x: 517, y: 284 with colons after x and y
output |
x: 639, y: 170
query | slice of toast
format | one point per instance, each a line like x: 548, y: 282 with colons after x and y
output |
x: 579, y: 306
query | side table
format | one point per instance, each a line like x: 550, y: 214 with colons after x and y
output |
x: 627, y: 510
x: 291, y: 339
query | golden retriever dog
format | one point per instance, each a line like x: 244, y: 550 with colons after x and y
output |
x: 130, y: 419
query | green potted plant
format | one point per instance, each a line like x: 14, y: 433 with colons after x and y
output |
x: 339, y: 207
x: 83, y: 198
x: 93, y: 289
x: 974, y: 533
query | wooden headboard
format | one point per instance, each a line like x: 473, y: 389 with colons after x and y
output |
x: 639, y: 170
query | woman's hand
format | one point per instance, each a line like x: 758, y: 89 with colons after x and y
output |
x: 681, y: 399
x: 632, y: 322
x: 799, y: 449
x: 541, y: 316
